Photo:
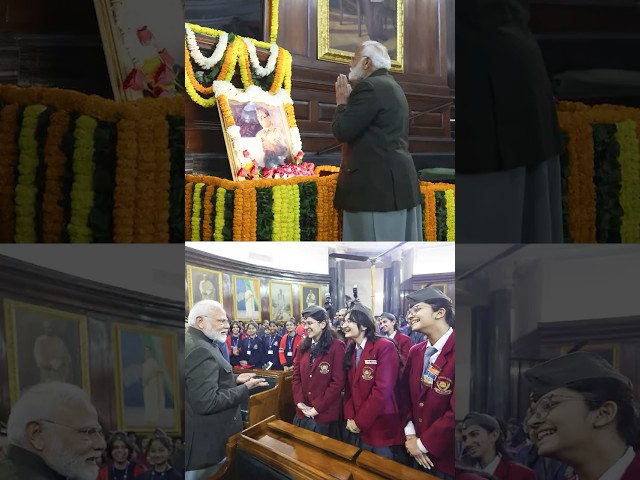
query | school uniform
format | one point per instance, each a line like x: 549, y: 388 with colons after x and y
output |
x: 252, y: 351
x: 404, y: 344
x: 232, y: 341
x: 510, y: 470
x: 318, y: 383
x: 288, y: 348
x: 431, y: 406
x: 271, y: 349
x: 370, y: 395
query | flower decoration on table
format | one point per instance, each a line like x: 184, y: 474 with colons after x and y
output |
x: 231, y: 50
x: 157, y: 75
x: 252, y: 171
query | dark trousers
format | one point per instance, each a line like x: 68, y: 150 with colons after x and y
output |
x: 327, y: 429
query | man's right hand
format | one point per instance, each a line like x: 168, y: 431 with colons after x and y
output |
x: 255, y: 382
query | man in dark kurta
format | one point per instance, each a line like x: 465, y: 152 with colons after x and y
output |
x: 378, y: 187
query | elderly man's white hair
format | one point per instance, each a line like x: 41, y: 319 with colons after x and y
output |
x: 377, y: 53
x: 43, y: 401
x: 202, y: 309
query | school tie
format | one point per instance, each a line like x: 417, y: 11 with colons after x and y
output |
x: 428, y: 353
x: 224, y: 350
x: 358, y: 353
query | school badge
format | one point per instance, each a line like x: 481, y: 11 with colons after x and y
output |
x: 324, y: 368
x: 443, y: 386
x: 367, y: 373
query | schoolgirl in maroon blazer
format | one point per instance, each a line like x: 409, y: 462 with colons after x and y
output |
x: 318, y: 375
x: 373, y: 368
x: 389, y: 327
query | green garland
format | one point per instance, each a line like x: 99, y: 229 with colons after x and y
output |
x: 202, y: 192
x: 40, y: 180
x: 66, y: 180
x: 264, y: 219
x: 441, y: 217
x: 213, y: 211
x: 191, y: 189
x: 608, y: 183
x: 564, y: 179
x: 176, y: 182
x: 105, y: 160
x: 227, y: 231
x: 422, y: 200
x: 308, y: 216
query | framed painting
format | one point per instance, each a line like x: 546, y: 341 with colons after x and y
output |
x: 309, y: 295
x: 44, y: 344
x: 143, y: 46
x: 280, y: 301
x: 343, y: 25
x: 147, y: 395
x: 259, y: 128
x: 246, y: 298
x: 203, y: 284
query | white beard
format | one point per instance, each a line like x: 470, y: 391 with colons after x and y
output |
x: 357, y: 73
x: 68, y: 465
x: 213, y: 334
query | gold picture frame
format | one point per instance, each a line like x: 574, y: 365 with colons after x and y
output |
x: 147, y: 373
x: 338, y: 39
x: 305, y: 290
x: 241, y: 285
x: 133, y: 39
x: 196, y: 295
x: 280, y: 301
x: 60, y: 351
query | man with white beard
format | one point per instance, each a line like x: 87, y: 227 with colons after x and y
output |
x: 213, y: 393
x: 378, y: 189
x: 53, y: 433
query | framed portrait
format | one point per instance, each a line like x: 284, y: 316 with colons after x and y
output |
x: 309, y: 295
x: 246, y: 298
x: 147, y: 395
x: 203, y: 284
x: 343, y: 25
x: 44, y: 344
x: 609, y: 351
x: 257, y: 127
x: 280, y: 301
x: 144, y: 50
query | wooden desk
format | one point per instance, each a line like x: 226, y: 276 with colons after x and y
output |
x: 277, y: 400
x: 303, y: 455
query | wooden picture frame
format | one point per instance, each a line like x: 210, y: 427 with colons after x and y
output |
x: 147, y: 382
x: 280, y: 301
x: 143, y: 46
x: 45, y: 344
x: 242, y: 285
x: 305, y: 290
x: 342, y: 27
x: 195, y: 278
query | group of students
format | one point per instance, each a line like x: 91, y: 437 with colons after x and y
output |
x: 381, y: 394
x: 158, y: 458
x: 582, y: 423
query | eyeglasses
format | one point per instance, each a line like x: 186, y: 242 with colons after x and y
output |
x: 89, y: 432
x: 415, y: 309
x: 219, y: 320
x: 544, y: 406
x: 310, y: 323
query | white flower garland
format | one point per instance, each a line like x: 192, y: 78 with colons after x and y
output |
x: 255, y: 63
x: 196, y: 54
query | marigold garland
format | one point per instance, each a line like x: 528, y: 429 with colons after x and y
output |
x: 207, y: 228
x: 197, y: 208
x: 274, y: 21
x: 55, y: 161
x: 162, y: 159
x: 26, y: 190
x: 451, y: 215
x: 629, y: 159
x: 218, y: 235
x: 8, y: 161
x: 188, y: 210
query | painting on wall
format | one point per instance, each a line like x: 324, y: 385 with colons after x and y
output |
x: 203, y: 284
x: 280, y: 301
x: 43, y: 345
x: 309, y: 295
x: 343, y: 25
x: 147, y: 395
x: 246, y: 298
